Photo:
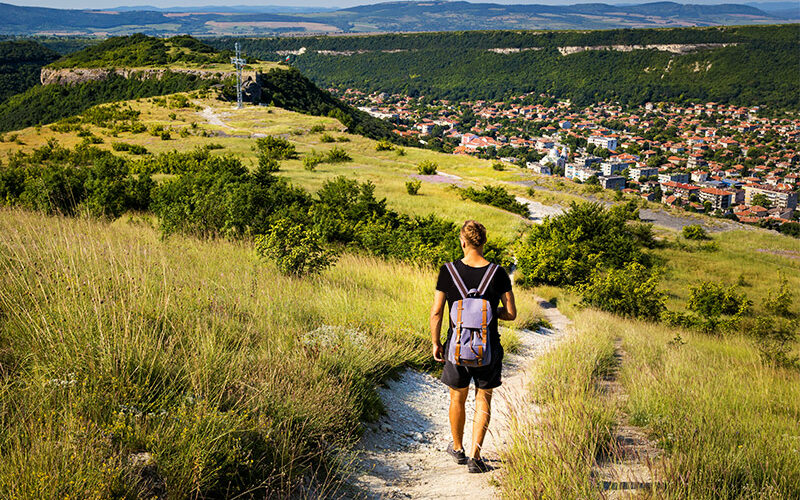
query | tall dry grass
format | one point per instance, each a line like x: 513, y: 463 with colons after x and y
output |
x: 552, y: 450
x: 235, y: 380
x: 728, y: 424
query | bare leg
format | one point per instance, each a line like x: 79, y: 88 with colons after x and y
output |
x: 480, y: 422
x: 458, y: 398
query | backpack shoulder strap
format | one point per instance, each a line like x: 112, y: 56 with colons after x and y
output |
x: 487, y: 278
x: 462, y: 288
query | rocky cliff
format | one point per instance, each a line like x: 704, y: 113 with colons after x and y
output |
x: 251, y: 80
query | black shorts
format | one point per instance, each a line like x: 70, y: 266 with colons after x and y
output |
x: 485, y: 377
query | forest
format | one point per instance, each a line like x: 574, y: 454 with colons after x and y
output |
x: 759, y: 68
x: 140, y: 50
x: 20, y: 65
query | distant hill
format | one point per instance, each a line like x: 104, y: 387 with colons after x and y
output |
x: 20, y: 64
x: 746, y: 65
x: 448, y: 16
x: 434, y: 15
x: 174, y: 65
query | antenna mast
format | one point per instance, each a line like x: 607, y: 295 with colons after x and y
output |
x: 238, y: 62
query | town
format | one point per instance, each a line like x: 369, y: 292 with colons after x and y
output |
x: 722, y: 160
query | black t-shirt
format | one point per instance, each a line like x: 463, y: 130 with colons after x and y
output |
x: 472, y: 276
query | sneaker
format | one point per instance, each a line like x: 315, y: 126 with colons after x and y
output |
x: 477, y: 466
x: 458, y: 456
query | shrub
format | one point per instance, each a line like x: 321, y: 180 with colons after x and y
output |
x: 133, y: 149
x: 384, y: 145
x: 311, y: 160
x: 400, y: 151
x: 776, y: 337
x: 496, y: 196
x: 631, y: 292
x: 268, y: 163
x: 779, y: 302
x: 412, y: 187
x: 337, y: 155
x: 296, y: 249
x: 427, y: 167
x: 316, y: 129
x: 694, y: 232
x: 342, y: 138
x: 565, y: 249
x: 498, y: 166
x: 326, y: 137
x: 276, y: 147
x: 709, y: 299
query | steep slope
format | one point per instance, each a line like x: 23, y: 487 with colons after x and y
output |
x: 743, y: 65
x: 138, y: 66
x: 20, y: 63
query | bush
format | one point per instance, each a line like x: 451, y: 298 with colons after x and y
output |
x: 400, y: 151
x: 695, y: 232
x: 268, y: 163
x: 496, y: 196
x: 412, y: 187
x: 311, y: 160
x: 709, y: 299
x: 498, y: 166
x: 337, y: 155
x: 316, y: 129
x: 779, y: 302
x: 276, y: 147
x: 566, y: 249
x: 776, y: 337
x: 133, y: 149
x: 427, y: 167
x: 384, y: 145
x: 631, y: 292
x: 296, y: 249
x: 327, y: 138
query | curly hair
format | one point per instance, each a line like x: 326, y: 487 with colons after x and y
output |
x: 474, y: 233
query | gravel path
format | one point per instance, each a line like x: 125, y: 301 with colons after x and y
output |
x: 403, y: 454
x: 657, y: 217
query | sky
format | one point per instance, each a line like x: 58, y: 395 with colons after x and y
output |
x: 105, y: 4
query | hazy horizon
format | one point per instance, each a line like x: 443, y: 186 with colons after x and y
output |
x: 325, y: 4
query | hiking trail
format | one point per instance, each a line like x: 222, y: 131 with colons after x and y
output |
x: 402, y: 455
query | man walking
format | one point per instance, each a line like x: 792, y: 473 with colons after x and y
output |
x: 473, y: 288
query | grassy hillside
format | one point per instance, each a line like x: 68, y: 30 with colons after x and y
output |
x: 20, y: 63
x: 725, y: 422
x: 444, y: 65
x: 190, y: 127
x: 284, y: 87
x: 231, y: 377
x: 208, y: 314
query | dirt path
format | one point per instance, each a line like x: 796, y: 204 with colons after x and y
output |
x: 403, y: 454
x: 213, y: 118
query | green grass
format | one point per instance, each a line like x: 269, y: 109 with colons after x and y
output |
x: 726, y: 422
x: 551, y: 452
x: 755, y: 258
x: 232, y: 376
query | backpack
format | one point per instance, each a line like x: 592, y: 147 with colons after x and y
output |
x: 470, y: 318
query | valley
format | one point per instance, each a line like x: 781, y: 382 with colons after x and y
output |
x: 203, y: 301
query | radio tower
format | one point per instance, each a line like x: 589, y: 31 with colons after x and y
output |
x: 238, y: 62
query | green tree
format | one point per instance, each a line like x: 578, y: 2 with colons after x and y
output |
x: 296, y: 249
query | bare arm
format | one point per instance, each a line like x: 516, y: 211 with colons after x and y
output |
x: 509, y: 310
x: 437, y: 313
